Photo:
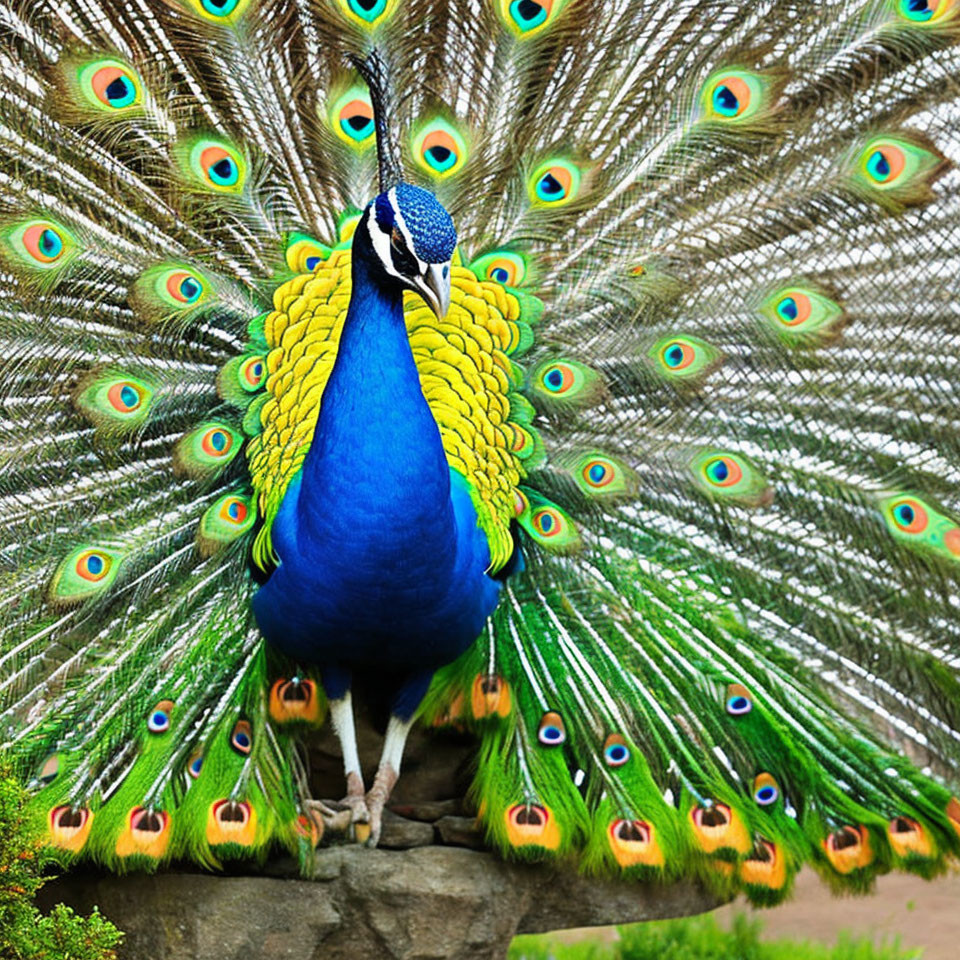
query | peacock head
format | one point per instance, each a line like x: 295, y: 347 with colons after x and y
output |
x: 414, y: 238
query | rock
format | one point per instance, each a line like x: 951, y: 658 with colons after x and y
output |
x: 428, y: 903
x: 428, y: 810
x: 398, y: 833
x: 459, y: 832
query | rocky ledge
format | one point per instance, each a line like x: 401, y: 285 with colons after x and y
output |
x: 423, y: 903
x: 429, y: 892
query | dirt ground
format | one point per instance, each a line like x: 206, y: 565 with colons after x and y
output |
x: 922, y: 914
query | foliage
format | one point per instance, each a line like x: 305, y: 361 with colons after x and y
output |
x: 701, y: 938
x: 25, y: 933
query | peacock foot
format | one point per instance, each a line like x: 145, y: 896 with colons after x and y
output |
x: 377, y: 798
x: 349, y: 814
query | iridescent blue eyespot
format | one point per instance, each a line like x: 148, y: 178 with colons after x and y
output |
x: 190, y: 289
x: 95, y: 565
x: 616, y: 755
x: 904, y: 514
x: 673, y: 356
x: 242, y: 737
x: 219, y: 8
x: 500, y: 275
x: 787, y: 309
x: 878, y: 166
x: 725, y: 101
x: 551, y: 732
x: 196, y: 765
x: 159, y: 719
x: 51, y: 244
x: 738, y: 705
x: 766, y: 795
x: 527, y: 13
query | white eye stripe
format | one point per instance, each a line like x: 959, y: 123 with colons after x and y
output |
x: 401, y: 225
x: 381, y: 242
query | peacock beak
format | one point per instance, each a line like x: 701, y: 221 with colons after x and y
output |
x: 434, y: 287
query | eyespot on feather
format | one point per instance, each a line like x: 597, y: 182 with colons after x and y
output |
x: 738, y: 700
x: 765, y: 866
x: 69, y: 827
x: 532, y: 824
x: 159, y: 718
x: 146, y: 833
x: 848, y: 849
x: 554, y: 183
x: 350, y: 117
x: 616, y: 753
x: 802, y: 315
x: 439, y: 149
x: 241, y: 738
x: 295, y: 700
x: 206, y: 450
x: 231, y: 821
x: 113, y: 402
x: 725, y: 475
x: 222, y: 12
x: 224, y: 521
x: 501, y: 266
x: 368, y: 14
x: 736, y: 97
x: 909, y: 838
x: 897, y: 170
x: 633, y: 843
x: 40, y: 245
x: 527, y: 18
x: 490, y: 696
x: 551, y: 731
x: 84, y: 573
x: 929, y: 14
x: 213, y: 165
x: 110, y: 86
x: 718, y: 827
x: 765, y: 790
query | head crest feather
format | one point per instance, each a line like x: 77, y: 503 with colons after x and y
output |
x: 375, y: 74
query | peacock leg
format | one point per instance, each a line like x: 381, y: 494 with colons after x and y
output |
x: 354, y: 803
x: 387, y: 774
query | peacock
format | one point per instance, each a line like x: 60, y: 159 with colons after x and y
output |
x: 581, y: 374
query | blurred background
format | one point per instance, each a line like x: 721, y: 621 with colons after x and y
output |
x: 907, y: 919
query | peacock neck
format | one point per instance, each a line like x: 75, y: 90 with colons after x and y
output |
x: 376, y: 474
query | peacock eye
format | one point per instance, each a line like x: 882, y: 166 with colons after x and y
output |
x: 723, y: 471
x: 925, y: 11
x: 217, y: 442
x: 234, y: 510
x: 110, y: 84
x: 93, y: 565
x: 615, y: 751
x: 219, y: 8
x: 242, y: 738
x: 552, y: 731
x: 910, y: 516
x: 439, y: 149
x: 396, y: 241
x: 738, y: 702
x: 196, y: 765
x: 555, y: 183
x: 159, y: 719
x: 765, y: 790
x: 214, y: 164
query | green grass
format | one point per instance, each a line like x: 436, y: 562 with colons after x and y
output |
x: 701, y: 938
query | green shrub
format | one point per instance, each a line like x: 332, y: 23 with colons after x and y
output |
x: 25, y: 933
x: 700, y: 938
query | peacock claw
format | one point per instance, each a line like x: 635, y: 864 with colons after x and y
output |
x: 344, y: 815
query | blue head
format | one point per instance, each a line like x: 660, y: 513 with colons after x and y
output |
x: 414, y: 238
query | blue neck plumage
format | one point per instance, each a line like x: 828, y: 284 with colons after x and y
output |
x: 376, y: 475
